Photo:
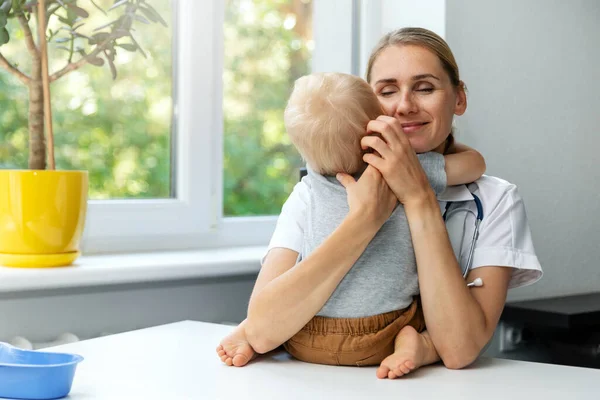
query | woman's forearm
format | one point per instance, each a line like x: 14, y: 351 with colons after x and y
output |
x: 289, y: 301
x: 454, y: 318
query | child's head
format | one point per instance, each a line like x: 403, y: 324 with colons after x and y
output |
x: 326, y: 117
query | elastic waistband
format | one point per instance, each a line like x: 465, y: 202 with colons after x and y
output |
x: 356, y: 326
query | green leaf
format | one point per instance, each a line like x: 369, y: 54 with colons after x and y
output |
x: 128, y: 46
x: 138, y: 46
x: 151, y: 9
x: 99, y: 37
x: 118, y: 4
x: 110, y: 54
x: 127, y: 20
x: 119, y: 33
x: 141, y: 19
x: 30, y: 3
x: 107, y: 25
x: 3, y: 19
x: 149, y: 14
x: 62, y: 40
x: 79, y: 35
x: 113, y: 69
x: 4, y: 37
x: 5, y: 6
x: 97, y: 61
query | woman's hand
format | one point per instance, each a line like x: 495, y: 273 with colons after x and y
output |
x: 369, y: 197
x: 396, y: 160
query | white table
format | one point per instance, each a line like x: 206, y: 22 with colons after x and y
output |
x: 178, y: 361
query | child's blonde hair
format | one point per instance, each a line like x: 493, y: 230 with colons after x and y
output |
x: 326, y: 117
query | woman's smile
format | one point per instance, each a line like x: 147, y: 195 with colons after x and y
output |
x: 412, y: 127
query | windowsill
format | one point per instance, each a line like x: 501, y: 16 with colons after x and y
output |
x: 114, y: 269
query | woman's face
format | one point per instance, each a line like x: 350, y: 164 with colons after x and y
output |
x: 413, y: 87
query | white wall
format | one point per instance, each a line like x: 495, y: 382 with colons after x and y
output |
x: 42, y: 315
x: 427, y: 14
x: 533, y: 73
x: 379, y: 17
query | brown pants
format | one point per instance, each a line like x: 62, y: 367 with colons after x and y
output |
x: 353, y: 341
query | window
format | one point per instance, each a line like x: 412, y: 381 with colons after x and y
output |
x: 186, y: 149
x: 119, y: 130
x: 268, y: 45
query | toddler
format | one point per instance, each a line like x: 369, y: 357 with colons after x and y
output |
x: 374, y: 316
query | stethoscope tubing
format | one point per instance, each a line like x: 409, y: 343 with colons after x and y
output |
x: 478, y: 219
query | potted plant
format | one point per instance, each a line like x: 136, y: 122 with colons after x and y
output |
x: 42, y: 210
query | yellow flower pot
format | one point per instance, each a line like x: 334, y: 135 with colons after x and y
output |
x: 42, y: 215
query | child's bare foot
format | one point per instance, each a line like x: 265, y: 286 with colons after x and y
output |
x: 234, y: 349
x: 412, y: 350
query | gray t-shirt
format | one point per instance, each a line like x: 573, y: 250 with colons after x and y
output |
x: 384, y: 278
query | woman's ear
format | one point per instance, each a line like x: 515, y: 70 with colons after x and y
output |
x: 461, y: 99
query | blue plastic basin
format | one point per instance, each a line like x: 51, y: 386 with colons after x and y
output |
x: 27, y: 374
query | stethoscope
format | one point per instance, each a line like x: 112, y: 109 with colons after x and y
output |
x: 478, y: 218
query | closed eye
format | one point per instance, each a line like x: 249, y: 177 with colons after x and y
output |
x: 388, y: 90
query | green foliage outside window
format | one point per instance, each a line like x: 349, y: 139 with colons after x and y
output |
x: 120, y: 131
x: 267, y: 47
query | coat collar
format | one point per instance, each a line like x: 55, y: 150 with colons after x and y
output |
x: 455, y: 193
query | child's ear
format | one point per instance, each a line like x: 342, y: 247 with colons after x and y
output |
x: 461, y: 99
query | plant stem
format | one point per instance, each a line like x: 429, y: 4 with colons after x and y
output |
x: 72, y: 66
x: 28, y: 35
x: 37, y: 142
x: 4, y: 63
x: 46, y: 82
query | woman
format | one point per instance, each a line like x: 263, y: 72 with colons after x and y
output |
x: 415, y: 76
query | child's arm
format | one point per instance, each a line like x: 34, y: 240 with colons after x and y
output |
x: 463, y: 165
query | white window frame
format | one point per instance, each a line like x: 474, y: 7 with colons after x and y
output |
x: 194, y: 218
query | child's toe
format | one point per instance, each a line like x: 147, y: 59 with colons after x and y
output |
x: 382, y: 372
x: 240, y: 360
x: 404, y: 369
